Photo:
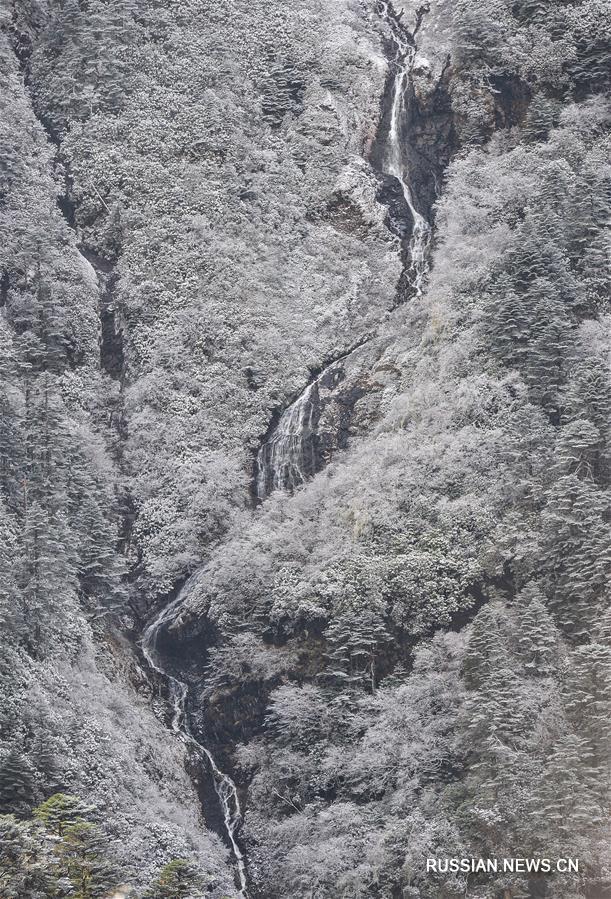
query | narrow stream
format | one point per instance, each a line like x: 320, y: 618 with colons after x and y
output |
x: 395, y: 159
x: 178, y: 691
x: 288, y: 458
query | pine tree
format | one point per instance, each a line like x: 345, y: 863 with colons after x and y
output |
x: 588, y: 704
x: 49, y: 578
x: 487, y: 645
x: 575, y: 552
x: 57, y: 77
x: 354, y: 639
x: 542, y: 116
x: 590, y: 72
x: 11, y: 438
x: 61, y: 811
x: 84, y: 857
x: 42, y: 329
x: 179, y: 879
x: 563, y: 799
x: 11, y: 560
x: 83, y: 853
x: 100, y: 569
x: 494, y: 727
x: 587, y: 396
x: 26, y: 863
x: 548, y: 343
x: 497, y: 713
x: 537, y: 635
x: 44, y: 757
x: 481, y: 30
x: 505, y: 323
x: 579, y: 448
x: 587, y: 220
x: 531, y: 10
x: 16, y: 783
x: 538, y: 252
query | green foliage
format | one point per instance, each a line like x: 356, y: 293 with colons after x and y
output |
x: 60, y: 812
x: 57, y: 853
x: 26, y: 861
x: 82, y: 858
x: 179, y: 879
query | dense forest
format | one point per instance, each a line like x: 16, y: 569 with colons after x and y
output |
x: 305, y: 401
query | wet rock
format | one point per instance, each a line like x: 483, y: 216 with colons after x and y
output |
x: 323, y: 419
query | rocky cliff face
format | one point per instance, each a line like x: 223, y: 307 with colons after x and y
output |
x: 341, y: 402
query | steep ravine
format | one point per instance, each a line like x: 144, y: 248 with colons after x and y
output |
x: 310, y: 451
x: 303, y: 438
x: 112, y: 362
x: 322, y: 418
x: 102, y: 648
x: 224, y: 786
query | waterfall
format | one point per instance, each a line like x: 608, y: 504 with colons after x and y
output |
x: 288, y: 458
x: 405, y: 52
x: 223, y: 785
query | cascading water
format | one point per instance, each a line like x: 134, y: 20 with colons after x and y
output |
x: 288, y: 458
x: 224, y: 786
x: 405, y: 52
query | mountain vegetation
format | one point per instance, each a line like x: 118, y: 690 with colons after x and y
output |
x: 408, y: 656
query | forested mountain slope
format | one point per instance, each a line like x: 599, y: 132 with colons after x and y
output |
x: 392, y: 503
x: 75, y: 710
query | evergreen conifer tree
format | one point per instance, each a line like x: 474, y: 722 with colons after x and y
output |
x: 354, y: 639
x: 179, y: 879
x: 486, y: 649
x: 26, y: 863
x: 588, y: 704
x: 563, y: 798
x: 576, y: 552
x: 61, y: 811
x: 537, y: 634
x: 16, y: 783
x: 84, y: 857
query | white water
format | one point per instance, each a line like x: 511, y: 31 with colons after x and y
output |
x: 288, y: 458
x: 178, y: 690
x: 405, y: 53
